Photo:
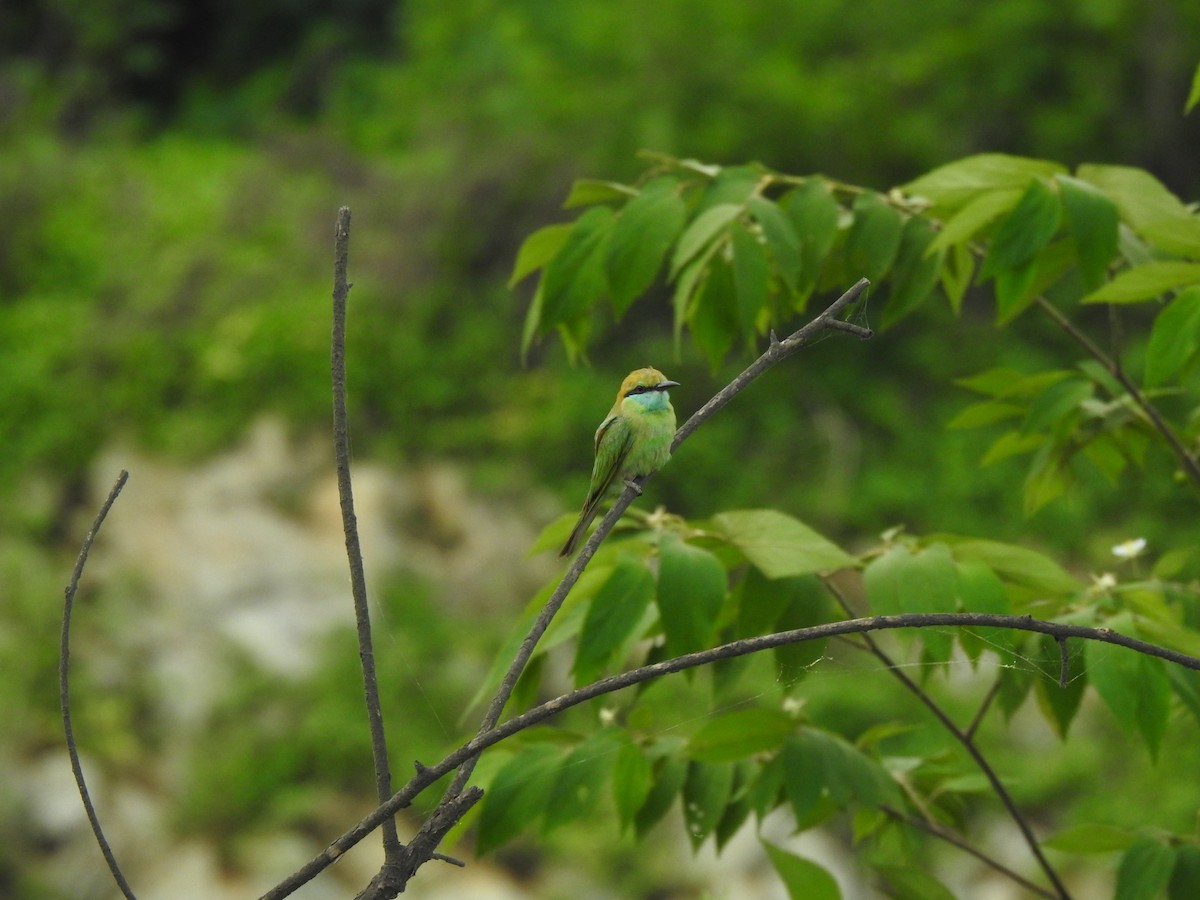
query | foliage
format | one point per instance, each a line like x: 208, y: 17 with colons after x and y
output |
x: 743, y: 249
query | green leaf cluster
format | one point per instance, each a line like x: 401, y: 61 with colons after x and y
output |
x: 671, y: 587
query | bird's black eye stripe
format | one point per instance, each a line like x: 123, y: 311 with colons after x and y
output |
x: 640, y: 389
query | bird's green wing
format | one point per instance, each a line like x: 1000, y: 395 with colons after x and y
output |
x: 614, y: 438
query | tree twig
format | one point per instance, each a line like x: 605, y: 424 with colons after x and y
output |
x: 967, y: 742
x: 1187, y: 460
x: 358, y: 581
x: 64, y: 686
x: 427, y: 775
x: 953, y: 839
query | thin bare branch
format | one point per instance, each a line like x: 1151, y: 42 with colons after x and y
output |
x: 427, y: 775
x: 967, y: 742
x: 358, y: 581
x: 64, y: 686
x: 944, y: 834
x: 984, y: 706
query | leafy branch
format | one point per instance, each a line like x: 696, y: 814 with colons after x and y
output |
x: 427, y: 775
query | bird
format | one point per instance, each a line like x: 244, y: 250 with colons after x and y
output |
x: 633, y: 440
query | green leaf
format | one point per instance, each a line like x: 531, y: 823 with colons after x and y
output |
x: 958, y: 270
x: 1153, y: 211
x: 670, y: 772
x: 883, y: 579
x: 913, y: 883
x: 1025, y: 230
x: 1185, y: 877
x: 740, y: 734
x: 981, y: 591
x: 502, y: 660
x: 1059, y: 702
x: 925, y: 581
x: 613, y: 615
x: 589, y: 191
x: 1145, y: 870
x: 713, y: 314
x: 916, y: 271
x: 732, y: 184
x: 1147, y: 281
x: 705, y: 794
x: 1134, y: 687
x: 780, y: 545
x: 686, y: 288
x: 538, y: 249
x: 781, y: 238
x: 1012, y: 687
x: 814, y: 212
x: 1092, y: 220
x: 517, y: 795
x: 631, y: 782
x: 644, y: 231
x: 805, y: 602
x: 804, y: 879
x: 763, y: 793
x: 1091, y: 838
x: 705, y: 229
x: 1193, y: 94
x: 750, y: 278
x: 582, y: 777
x: 1186, y: 684
x: 738, y: 810
x: 532, y: 326
x: 1003, y: 382
x: 1055, y: 409
x: 974, y: 216
x: 955, y: 184
x: 874, y: 237
x: 691, y: 591
x: 1012, y: 443
x: 803, y: 778
x: 1047, y: 479
x: 1019, y: 565
x: 575, y: 277
x: 1016, y: 289
x: 987, y: 413
x: 851, y: 775
x: 1175, y: 338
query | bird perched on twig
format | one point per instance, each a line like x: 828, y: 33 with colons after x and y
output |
x: 633, y: 440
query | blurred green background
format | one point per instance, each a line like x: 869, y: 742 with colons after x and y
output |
x: 169, y: 177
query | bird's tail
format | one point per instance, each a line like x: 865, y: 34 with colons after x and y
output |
x: 585, y: 519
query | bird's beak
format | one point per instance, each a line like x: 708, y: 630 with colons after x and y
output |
x: 664, y: 385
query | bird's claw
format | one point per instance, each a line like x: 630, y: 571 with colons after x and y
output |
x: 633, y: 486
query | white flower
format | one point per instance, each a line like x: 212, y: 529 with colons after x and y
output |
x: 1105, y: 582
x: 1130, y: 549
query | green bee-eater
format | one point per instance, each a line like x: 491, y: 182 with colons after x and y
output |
x: 633, y: 440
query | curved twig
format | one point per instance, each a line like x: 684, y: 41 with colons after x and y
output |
x: 358, y: 581
x: 64, y: 686
x: 427, y: 775
x: 933, y: 828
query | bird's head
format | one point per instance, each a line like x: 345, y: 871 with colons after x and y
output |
x: 647, y: 387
